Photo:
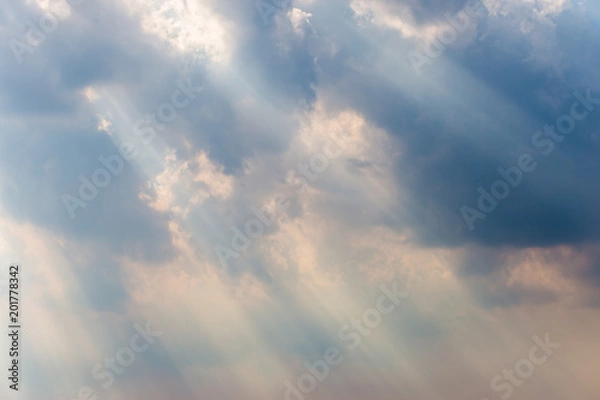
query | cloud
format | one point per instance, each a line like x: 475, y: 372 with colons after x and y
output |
x: 411, y: 150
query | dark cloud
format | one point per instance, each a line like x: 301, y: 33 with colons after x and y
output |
x: 455, y: 135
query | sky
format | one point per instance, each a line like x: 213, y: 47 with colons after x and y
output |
x: 301, y: 199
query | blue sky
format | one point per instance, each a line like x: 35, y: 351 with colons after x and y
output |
x: 247, y: 175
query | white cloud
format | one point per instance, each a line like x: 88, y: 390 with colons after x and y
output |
x: 187, y: 26
x: 399, y: 17
x: 300, y: 20
x: 186, y: 184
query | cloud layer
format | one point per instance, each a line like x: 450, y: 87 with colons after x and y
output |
x: 312, y: 119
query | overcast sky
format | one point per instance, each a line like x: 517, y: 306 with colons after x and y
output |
x: 247, y: 175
